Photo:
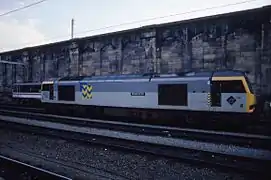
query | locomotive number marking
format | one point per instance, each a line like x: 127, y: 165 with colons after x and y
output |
x: 137, y: 93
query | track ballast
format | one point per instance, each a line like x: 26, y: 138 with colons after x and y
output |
x: 195, y: 155
x: 14, y: 169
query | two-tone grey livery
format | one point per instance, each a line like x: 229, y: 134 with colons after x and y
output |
x: 218, y: 91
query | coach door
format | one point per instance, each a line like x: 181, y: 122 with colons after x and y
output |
x: 216, y: 94
x: 51, y: 91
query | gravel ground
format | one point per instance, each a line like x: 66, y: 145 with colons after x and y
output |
x: 204, y: 146
x: 129, y: 165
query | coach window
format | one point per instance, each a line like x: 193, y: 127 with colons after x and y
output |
x: 22, y: 88
x: 45, y: 87
x: 232, y: 86
x: 25, y: 88
x: 35, y: 88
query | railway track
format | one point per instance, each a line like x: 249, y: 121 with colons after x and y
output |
x: 263, y: 128
x: 162, y: 146
x: 14, y: 169
x: 20, y: 108
x: 240, y: 139
x: 73, y: 170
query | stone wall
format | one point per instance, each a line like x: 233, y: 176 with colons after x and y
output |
x: 240, y: 40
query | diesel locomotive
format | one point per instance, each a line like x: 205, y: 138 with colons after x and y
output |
x: 224, y: 94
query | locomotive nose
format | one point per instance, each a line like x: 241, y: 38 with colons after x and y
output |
x: 251, y: 101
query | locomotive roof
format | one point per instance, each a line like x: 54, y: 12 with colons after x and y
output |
x: 219, y: 73
x: 229, y: 73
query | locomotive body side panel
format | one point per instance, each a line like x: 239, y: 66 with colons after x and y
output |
x: 198, y: 92
x: 198, y: 95
x: 139, y: 93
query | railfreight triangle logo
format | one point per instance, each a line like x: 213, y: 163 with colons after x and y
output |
x: 86, y: 90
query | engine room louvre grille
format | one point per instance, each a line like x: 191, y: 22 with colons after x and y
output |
x: 66, y: 93
x: 172, y: 94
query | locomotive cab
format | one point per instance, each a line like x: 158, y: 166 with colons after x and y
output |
x: 232, y: 94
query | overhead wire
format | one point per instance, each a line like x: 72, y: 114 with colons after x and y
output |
x: 140, y: 21
x: 23, y: 7
x: 150, y: 19
x: 166, y: 16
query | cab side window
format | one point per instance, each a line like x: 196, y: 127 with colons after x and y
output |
x: 232, y: 86
x: 35, y: 88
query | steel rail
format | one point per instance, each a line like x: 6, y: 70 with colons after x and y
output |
x: 236, y: 162
x: 75, y: 169
x: 263, y: 125
x: 19, y: 168
x: 240, y: 139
